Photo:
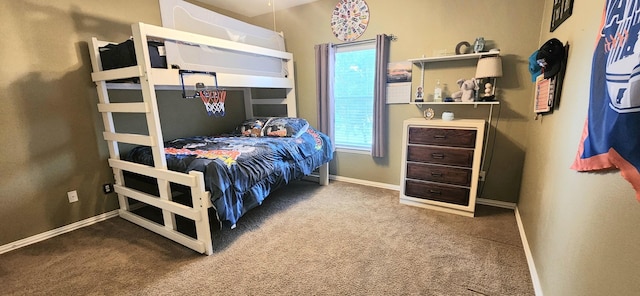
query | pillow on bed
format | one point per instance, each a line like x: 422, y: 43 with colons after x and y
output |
x: 286, y: 127
x: 253, y: 127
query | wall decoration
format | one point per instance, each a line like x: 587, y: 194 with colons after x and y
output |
x: 350, y: 19
x: 562, y: 10
x: 552, y: 59
x: 399, y: 83
x: 611, y: 137
x: 544, y: 94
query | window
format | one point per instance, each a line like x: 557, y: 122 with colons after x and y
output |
x: 355, y: 66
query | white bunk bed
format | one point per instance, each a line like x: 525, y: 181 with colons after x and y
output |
x: 150, y: 81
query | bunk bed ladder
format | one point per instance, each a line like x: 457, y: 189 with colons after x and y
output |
x: 149, y: 107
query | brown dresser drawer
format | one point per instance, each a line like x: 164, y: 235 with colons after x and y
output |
x: 442, y: 174
x: 442, y: 137
x: 437, y: 192
x: 440, y: 155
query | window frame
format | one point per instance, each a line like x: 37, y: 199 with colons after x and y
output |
x: 350, y: 47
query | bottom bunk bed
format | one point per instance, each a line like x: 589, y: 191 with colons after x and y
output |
x: 241, y: 169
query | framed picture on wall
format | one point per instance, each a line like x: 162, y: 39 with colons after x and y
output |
x: 562, y: 10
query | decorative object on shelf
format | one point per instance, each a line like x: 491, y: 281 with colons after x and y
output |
x: 488, y: 69
x: 437, y: 92
x: 562, y: 10
x: 428, y: 114
x: 460, y: 50
x: 419, y: 94
x: 467, y: 90
x: 350, y: 19
x: 488, y: 91
x: 447, y: 115
x: 478, y: 45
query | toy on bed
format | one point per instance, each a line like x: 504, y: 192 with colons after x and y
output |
x: 467, y: 90
x: 252, y: 128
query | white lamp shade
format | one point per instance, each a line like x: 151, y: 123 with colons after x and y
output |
x: 489, y: 67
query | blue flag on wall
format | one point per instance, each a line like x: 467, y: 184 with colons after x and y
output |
x: 611, y: 137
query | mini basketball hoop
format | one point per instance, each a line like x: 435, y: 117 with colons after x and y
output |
x: 213, y: 100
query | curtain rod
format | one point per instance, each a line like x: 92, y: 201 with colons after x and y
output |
x: 391, y: 36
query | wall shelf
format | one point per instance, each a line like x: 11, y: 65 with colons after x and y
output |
x: 422, y: 61
x: 456, y: 103
x: 455, y: 57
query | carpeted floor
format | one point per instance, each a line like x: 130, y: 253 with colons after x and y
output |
x: 306, y: 239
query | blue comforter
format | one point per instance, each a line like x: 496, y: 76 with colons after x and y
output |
x: 241, y: 171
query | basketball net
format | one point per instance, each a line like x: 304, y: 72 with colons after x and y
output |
x: 213, y: 101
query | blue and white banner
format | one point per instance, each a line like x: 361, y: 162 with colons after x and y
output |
x: 611, y: 137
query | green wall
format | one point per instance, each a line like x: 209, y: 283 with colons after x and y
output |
x: 582, y: 227
x: 423, y: 27
x: 51, y: 131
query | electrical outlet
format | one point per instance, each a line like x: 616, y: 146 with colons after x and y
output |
x: 73, y: 196
x: 481, y: 176
x: 107, y: 188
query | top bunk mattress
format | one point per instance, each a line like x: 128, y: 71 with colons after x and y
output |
x: 183, y: 16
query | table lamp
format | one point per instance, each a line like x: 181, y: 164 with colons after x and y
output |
x: 487, y: 71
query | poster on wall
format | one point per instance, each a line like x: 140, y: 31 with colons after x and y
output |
x: 611, y: 137
x: 562, y: 10
x: 399, y: 83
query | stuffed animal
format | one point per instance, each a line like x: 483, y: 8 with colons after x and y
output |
x: 467, y: 90
x: 254, y: 130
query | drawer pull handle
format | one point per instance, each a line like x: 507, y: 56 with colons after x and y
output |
x: 439, y: 137
x: 435, y: 192
x: 437, y: 155
x: 436, y: 174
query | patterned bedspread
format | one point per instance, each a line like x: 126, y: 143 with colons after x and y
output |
x: 241, y: 171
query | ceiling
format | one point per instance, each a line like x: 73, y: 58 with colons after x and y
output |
x: 251, y: 8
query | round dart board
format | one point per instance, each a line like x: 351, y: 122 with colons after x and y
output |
x: 350, y: 19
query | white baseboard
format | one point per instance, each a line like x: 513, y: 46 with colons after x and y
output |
x: 496, y: 203
x: 314, y: 177
x: 365, y: 182
x: 55, y: 232
x: 537, y: 288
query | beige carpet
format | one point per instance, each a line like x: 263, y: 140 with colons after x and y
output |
x: 306, y: 239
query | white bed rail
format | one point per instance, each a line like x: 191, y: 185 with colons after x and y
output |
x: 197, y: 212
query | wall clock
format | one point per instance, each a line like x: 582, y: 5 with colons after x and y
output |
x: 350, y: 19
